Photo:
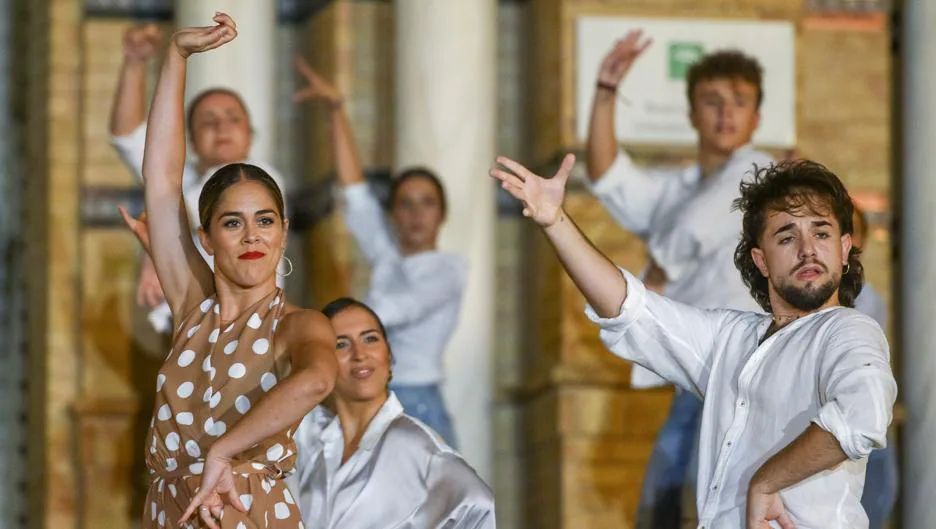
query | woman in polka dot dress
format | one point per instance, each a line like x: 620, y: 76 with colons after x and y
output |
x: 245, y: 365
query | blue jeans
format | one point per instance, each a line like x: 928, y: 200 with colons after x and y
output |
x: 671, y: 465
x: 425, y: 403
x: 881, y: 485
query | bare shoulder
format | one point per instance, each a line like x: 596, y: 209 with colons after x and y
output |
x: 301, y: 325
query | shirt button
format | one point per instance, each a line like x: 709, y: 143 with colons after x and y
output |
x: 741, y: 403
x: 729, y: 443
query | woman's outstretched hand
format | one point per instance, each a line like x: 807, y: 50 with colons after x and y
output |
x: 200, y: 39
x: 541, y: 197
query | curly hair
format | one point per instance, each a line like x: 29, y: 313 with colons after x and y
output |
x: 726, y: 64
x: 791, y: 186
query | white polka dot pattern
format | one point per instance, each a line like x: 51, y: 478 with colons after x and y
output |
x: 242, y: 404
x: 172, y: 442
x: 186, y: 358
x: 261, y: 346
x: 185, y: 390
x: 207, y: 383
x: 275, y: 452
x: 247, y: 500
x: 237, y: 370
x: 267, y: 381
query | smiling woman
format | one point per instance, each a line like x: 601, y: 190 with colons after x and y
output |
x: 403, y: 474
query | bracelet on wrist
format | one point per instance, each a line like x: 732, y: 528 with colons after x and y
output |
x: 607, y: 86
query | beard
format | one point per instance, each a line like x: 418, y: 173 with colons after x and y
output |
x: 808, y: 298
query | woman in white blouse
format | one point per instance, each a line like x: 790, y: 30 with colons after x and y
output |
x: 414, y: 288
x: 366, y: 464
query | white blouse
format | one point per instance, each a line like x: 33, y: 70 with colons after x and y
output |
x: 417, y: 297
x: 829, y: 368
x: 402, y: 476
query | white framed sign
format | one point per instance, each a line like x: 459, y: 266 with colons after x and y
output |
x: 655, y: 88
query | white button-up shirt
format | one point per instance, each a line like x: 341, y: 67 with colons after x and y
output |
x: 689, y: 225
x: 402, y: 476
x: 417, y: 297
x: 829, y: 368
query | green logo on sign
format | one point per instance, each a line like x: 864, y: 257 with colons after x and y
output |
x: 682, y: 55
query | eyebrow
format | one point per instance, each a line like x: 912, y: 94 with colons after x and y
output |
x: 815, y: 224
x: 362, y: 333
x: 785, y: 227
x: 240, y: 215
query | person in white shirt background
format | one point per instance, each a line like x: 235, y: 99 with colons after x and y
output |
x: 883, y: 478
x: 414, y: 288
x: 365, y: 462
x: 794, y: 400
x: 219, y: 133
x: 685, y: 217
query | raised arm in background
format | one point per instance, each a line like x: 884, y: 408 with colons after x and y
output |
x: 602, y: 145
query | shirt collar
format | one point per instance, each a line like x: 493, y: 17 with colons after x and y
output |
x: 693, y: 174
x: 388, y: 412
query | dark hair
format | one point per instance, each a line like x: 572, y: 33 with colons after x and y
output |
x: 340, y: 305
x: 417, y: 172
x: 204, y: 95
x: 726, y: 64
x: 227, y: 176
x: 788, y: 186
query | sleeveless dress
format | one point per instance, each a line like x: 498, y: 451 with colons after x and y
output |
x: 211, y: 378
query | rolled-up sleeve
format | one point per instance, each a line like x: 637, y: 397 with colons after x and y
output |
x: 629, y: 193
x: 365, y: 220
x: 130, y: 149
x: 857, y: 386
x: 673, y: 340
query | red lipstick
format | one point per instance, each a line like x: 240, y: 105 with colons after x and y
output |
x: 251, y: 256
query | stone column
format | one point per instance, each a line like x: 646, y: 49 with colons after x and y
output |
x: 445, y: 119
x: 918, y: 260
x: 246, y: 65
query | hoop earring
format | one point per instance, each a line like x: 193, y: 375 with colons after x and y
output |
x: 286, y: 259
x: 847, y: 266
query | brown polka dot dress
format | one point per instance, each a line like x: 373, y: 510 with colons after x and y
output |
x: 211, y: 378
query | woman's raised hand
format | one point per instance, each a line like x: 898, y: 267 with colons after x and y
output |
x: 200, y: 39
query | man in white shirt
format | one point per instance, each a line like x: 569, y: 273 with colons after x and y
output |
x: 686, y: 219
x: 795, y: 399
